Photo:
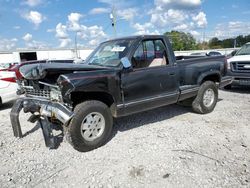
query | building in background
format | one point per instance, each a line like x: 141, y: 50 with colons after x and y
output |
x: 27, y: 54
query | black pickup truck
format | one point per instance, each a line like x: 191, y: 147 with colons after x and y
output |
x: 121, y: 77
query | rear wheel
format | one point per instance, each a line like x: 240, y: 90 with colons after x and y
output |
x: 206, y: 98
x: 91, y: 126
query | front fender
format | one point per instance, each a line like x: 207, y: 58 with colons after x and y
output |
x: 91, y: 81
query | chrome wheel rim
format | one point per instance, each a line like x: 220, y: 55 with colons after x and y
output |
x: 92, y: 126
x: 208, y: 98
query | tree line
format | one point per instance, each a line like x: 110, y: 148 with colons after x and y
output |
x: 186, y: 41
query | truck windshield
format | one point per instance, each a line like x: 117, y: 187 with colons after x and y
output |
x: 245, y: 50
x: 109, y: 53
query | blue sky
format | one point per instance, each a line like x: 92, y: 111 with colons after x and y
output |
x: 54, y: 24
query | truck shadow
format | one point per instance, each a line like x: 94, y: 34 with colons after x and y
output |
x: 58, y: 136
x: 126, y: 123
x: 129, y: 122
x: 238, y: 89
x: 148, y: 117
x: 6, y: 106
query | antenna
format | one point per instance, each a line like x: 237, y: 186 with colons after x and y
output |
x: 112, y: 16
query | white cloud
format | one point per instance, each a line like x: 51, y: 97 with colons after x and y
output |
x: 95, y: 31
x: 61, y: 31
x: 121, y: 4
x: 238, y: 26
x: 139, y: 27
x: 93, y: 42
x: 200, y: 19
x: 34, y: 17
x: 17, y: 27
x: 181, y: 15
x: 143, y: 28
x: 180, y: 4
x: 14, y: 39
x: 27, y: 37
x: 99, y: 11
x: 231, y: 29
x: 50, y: 30
x: 36, y: 44
x: 74, y: 19
x: 62, y: 35
x: 8, y: 44
x: 196, y: 34
x: 127, y: 14
x: 147, y: 32
x: 168, y: 17
x: 32, y: 3
x: 93, y: 34
x: 181, y: 27
x: 64, y: 42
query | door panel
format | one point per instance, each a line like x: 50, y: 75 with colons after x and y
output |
x: 149, y: 88
x: 153, y: 81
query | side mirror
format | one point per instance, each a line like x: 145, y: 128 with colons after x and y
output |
x: 126, y: 63
x: 233, y: 52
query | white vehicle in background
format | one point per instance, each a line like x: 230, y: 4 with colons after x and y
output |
x: 239, y: 67
x: 8, y: 86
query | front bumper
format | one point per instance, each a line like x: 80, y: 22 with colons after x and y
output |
x: 240, y: 78
x: 241, y: 81
x: 42, y: 110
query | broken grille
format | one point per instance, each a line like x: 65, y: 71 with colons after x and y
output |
x: 30, y: 91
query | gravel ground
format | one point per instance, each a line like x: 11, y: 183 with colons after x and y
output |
x: 166, y: 147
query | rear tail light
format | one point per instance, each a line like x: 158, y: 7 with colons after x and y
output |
x: 15, y: 69
x: 8, y: 76
x: 9, y: 79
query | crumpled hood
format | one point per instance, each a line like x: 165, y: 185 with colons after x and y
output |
x: 39, y: 71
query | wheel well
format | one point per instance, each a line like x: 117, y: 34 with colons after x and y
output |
x: 78, y: 97
x: 214, y: 77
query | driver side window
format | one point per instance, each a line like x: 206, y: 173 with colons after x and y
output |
x: 150, y: 53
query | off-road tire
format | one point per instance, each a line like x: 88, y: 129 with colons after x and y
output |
x: 198, y: 104
x: 74, y: 135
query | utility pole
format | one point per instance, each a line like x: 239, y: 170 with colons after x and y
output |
x: 113, y: 19
x: 76, y: 45
x: 204, y: 38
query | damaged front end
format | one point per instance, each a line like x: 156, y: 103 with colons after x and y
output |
x: 44, y: 101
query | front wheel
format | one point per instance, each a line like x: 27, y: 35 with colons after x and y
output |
x: 206, y: 98
x: 91, y: 126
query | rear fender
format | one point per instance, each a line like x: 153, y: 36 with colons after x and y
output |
x: 211, y: 75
